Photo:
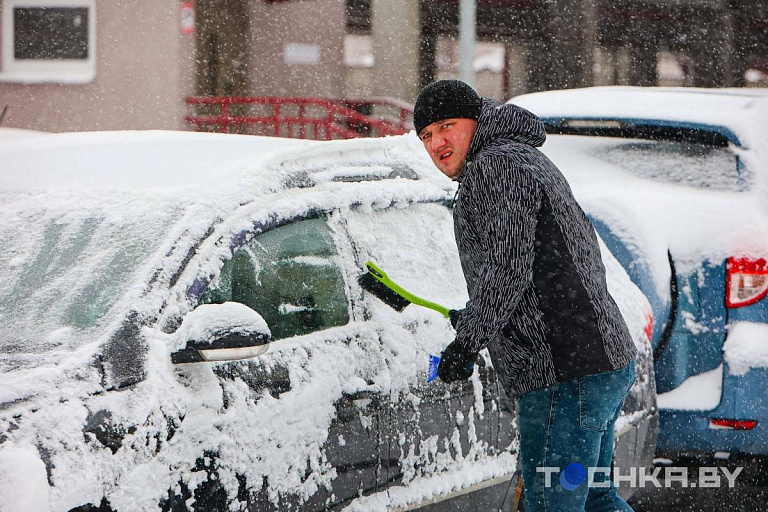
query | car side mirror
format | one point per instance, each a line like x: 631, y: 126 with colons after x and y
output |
x: 221, y: 332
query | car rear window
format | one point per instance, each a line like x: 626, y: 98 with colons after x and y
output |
x: 683, y: 163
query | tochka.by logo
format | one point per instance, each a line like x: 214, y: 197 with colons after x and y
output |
x: 575, y: 474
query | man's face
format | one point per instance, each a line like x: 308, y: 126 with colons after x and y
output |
x: 447, y: 143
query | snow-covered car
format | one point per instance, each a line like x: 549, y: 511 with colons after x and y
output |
x: 128, y: 256
x: 676, y: 182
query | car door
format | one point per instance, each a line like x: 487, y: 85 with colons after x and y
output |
x: 434, y: 427
x: 294, y: 275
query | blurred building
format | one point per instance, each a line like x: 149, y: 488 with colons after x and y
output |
x: 94, y: 64
x: 99, y: 64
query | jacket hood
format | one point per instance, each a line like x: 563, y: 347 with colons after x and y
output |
x: 502, y: 123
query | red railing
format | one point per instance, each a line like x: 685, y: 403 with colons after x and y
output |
x: 303, y: 118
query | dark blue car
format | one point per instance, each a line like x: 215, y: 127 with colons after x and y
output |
x: 182, y: 329
x: 676, y: 183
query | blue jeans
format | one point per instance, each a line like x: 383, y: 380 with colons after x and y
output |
x: 570, y: 425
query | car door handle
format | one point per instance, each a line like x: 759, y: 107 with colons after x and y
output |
x: 363, y: 394
x: 347, y: 409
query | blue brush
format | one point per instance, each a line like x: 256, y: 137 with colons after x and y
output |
x: 434, y: 361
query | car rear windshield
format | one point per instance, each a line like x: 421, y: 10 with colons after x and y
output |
x: 684, y: 163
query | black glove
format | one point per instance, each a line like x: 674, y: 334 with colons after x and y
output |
x: 456, y: 363
x: 454, y: 316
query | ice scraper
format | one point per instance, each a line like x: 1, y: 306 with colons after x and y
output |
x: 379, y: 284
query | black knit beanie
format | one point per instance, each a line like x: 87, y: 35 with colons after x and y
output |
x: 445, y: 99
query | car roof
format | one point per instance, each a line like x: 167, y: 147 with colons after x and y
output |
x: 7, y: 133
x: 738, y: 114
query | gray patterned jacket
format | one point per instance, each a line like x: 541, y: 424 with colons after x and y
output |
x: 538, y: 297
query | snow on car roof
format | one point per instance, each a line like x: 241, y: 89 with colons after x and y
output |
x: 610, y: 192
x: 742, y: 111
x: 162, y: 160
x: 131, y: 173
x: 131, y: 160
x: 7, y: 133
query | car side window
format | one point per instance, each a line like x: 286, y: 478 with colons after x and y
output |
x: 290, y: 276
x: 416, y: 247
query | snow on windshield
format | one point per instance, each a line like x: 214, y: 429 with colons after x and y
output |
x: 65, y: 272
x: 82, y: 213
x: 741, y: 112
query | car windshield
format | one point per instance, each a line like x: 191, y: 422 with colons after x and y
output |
x: 61, y: 279
x: 683, y: 163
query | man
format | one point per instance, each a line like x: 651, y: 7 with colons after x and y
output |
x: 538, y: 298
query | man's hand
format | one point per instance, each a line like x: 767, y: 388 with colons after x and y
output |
x: 456, y: 363
x: 453, y: 316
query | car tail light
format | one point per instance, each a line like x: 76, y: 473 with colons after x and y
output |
x: 746, y: 281
x: 717, y: 423
x: 648, y: 326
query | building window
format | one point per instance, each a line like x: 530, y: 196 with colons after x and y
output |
x: 358, y: 51
x: 48, y: 41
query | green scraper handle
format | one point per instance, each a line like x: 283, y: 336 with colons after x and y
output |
x: 389, y: 283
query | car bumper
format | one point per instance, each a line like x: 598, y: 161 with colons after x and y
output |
x: 743, y: 398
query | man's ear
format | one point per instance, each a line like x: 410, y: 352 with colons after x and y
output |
x: 474, y: 129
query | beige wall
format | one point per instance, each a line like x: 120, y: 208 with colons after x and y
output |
x: 143, y: 73
x: 308, y: 22
x: 396, y: 41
